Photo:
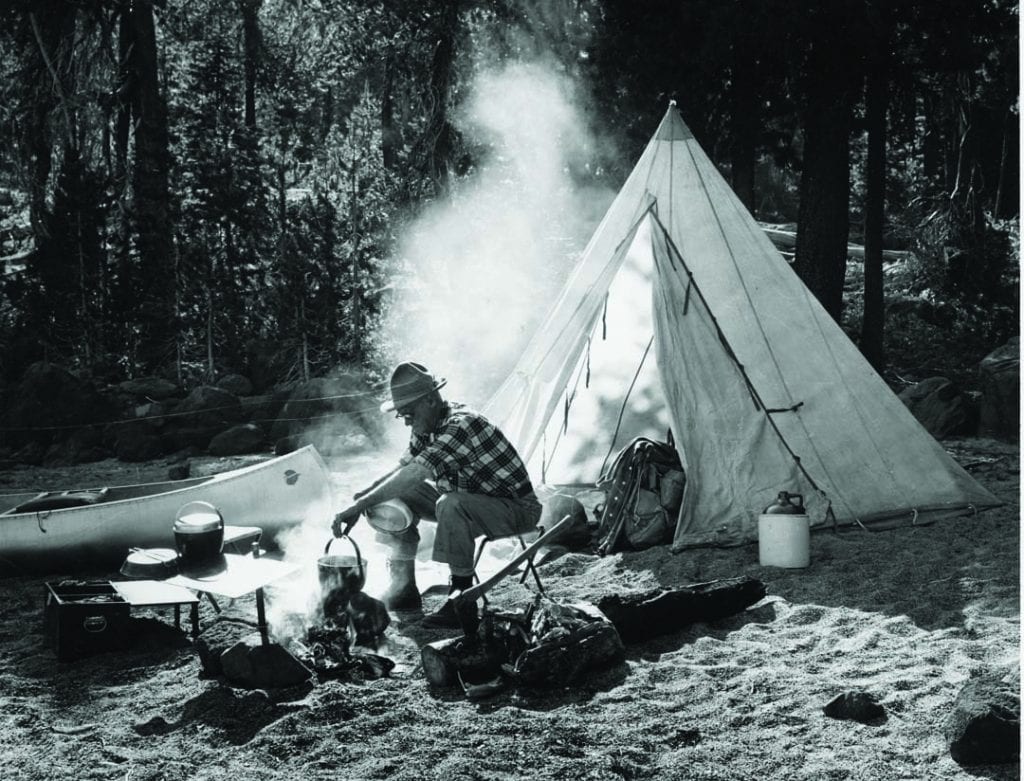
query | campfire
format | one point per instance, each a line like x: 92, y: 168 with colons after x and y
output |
x: 337, y: 643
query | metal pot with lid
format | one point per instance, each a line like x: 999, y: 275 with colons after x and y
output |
x: 198, y: 533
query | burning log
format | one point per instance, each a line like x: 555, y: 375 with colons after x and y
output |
x: 549, y: 644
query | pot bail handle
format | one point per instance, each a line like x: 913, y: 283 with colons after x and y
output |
x: 359, y: 556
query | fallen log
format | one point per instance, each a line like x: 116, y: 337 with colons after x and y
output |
x: 786, y: 240
x: 445, y: 660
x: 638, y: 617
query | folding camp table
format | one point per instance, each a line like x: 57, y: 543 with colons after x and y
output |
x: 239, y: 576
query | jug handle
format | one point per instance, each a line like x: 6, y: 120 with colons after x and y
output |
x: 799, y: 504
x: 359, y: 556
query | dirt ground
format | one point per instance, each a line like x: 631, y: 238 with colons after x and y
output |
x: 907, y: 615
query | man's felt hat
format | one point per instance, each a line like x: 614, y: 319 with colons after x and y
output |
x: 409, y: 382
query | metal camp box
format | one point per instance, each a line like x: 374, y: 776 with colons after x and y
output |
x: 84, y: 617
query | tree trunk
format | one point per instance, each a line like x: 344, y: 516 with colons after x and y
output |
x: 744, y: 123
x: 823, y: 223
x: 1008, y: 189
x: 251, y: 45
x: 440, y: 134
x: 125, y: 89
x: 150, y: 186
x: 388, y: 131
x: 873, y: 325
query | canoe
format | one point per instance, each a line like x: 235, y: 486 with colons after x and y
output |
x: 76, y: 529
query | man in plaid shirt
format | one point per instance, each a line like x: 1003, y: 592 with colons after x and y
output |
x: 459, y: 470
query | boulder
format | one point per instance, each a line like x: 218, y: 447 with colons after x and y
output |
x: 218, y: 636
x: 137, y: 441
x: 150, y: 388
x: 940, y: 407
x: 47, y: 399
x: 208, y: 406
x: 237, y: 440
x: 156, y: 412
x: 236, y: 384
x: 337, y: 414
x: 1000, y: 392
x: 984, y: 726
x: 263, y: 410
x: 251, y: 664
x: 190, y: 438
x: 855, y: 706
x: 179, y: 471
x: 84, y: 446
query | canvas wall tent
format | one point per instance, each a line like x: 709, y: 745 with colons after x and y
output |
x: 681, y: 313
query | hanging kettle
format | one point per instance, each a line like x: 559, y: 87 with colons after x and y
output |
x: 784, y: 533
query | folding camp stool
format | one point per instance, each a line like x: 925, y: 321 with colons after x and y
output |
x: 528, y: 569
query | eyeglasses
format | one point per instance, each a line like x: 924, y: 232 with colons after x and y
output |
x: 407, y: 415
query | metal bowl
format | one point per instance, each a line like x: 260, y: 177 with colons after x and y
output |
x: 150, y: 564
x: 391, y: 516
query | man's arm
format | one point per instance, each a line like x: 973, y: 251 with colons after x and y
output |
x: 401, y: 481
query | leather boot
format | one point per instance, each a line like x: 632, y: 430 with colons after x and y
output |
x: 452, y: 616
x: 402, y: 593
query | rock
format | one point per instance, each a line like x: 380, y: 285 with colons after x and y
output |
x: 237, y: 440
x: 984, y: 726
x: 157, y: 412
x: 137, y: 442
x: 263, y: 410
x: 209, y: 406
x: 179, y: 472
x: 151, y: 388
x: 236, y: 384
x: 47, y: 398
x: 286, y: 445
x: 219, y: 635
x: 258, y: 666
x: 189, y: 439
x: 157, y: 725
x: 84, y: 446
x: 940, y: 407
x: 336, y: 414
x: 855, y: 706
x: 1000, y: 392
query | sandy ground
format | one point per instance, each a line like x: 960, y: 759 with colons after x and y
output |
x: 907, y: 615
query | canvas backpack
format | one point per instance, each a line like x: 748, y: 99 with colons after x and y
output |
x: 643, y: 490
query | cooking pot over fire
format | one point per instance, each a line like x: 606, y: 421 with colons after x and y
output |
x: 341, y: 573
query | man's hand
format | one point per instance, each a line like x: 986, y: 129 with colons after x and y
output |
x: 345, y: 520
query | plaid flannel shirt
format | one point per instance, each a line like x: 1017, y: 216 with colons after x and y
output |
x: 468, y: 453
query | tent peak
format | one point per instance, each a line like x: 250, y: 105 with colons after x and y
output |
x: 672, y: 127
